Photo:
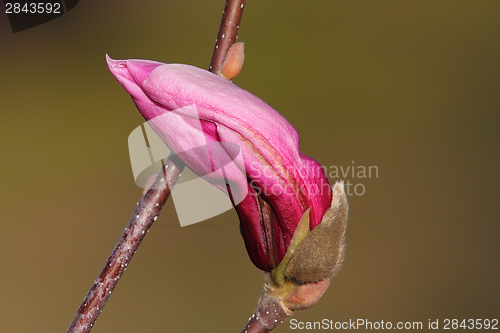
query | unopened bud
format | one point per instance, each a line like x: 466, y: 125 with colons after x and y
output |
x: 233, y: 62
x: 306, y: 295
x: 320, y: 254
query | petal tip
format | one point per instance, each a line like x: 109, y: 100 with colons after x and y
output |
x: 112, y: 63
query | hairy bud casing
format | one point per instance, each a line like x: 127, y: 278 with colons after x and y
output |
x: 320, y: 254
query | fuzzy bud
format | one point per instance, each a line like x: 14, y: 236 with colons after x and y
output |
x: 233, y: 62
x: 320, y: 254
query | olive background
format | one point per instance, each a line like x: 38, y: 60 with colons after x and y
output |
x: 411, y: 87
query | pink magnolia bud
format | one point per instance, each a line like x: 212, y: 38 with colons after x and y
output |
x: 282, y: 184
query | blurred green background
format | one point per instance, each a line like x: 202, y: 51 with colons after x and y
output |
x: 412, y: 87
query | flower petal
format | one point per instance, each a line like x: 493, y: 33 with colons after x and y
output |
x: 190, y: 107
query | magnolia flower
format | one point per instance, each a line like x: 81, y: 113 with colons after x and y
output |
x: 202, y: 117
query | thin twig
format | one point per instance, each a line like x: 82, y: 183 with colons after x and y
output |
x: 228, y: 32
x: 152, y: 202
x: 269, y: 314
x: 143, y: 217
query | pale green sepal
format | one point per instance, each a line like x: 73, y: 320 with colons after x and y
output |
x: 298, y: 236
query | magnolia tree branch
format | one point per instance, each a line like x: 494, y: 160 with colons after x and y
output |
x: 228, y: 32
x: 151, y: 203
x: 269, y: 314
x: 143, y: 217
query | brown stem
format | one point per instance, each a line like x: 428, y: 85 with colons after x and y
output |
x: 143, y: 217
x: 151, y: 203
x: 278, y: 302
x: 228, y: 32
x: 269, y: 314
